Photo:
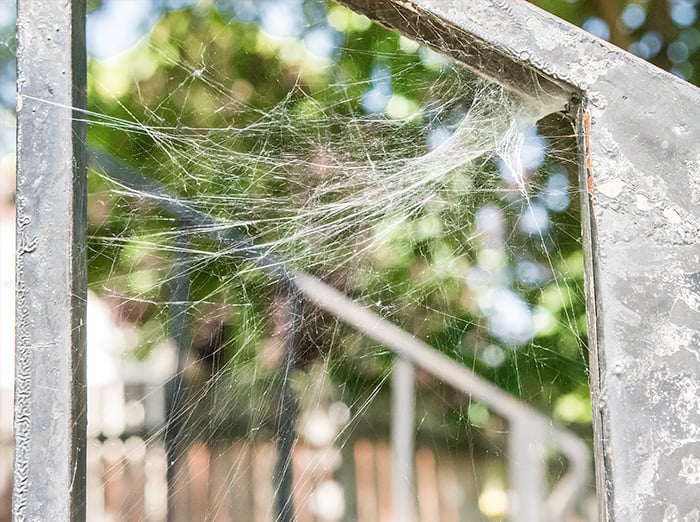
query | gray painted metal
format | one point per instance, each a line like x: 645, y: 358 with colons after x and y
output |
x: 175, y: 392
x: 403, y: 434
x: 287, y: 412
x: 50, y: 403
x: 527, y: 473
x: 639, y: 131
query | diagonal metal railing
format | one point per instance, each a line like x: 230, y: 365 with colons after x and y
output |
x: 530, y: 430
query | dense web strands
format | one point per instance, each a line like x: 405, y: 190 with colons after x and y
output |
x: 336, y: 180
x: 228, y: 158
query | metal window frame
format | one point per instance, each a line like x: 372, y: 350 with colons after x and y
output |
x: 639, y: 138
x: 639, y: 134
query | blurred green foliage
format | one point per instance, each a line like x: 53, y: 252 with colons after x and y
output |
x: 200, y: 65
x: 197, y: 69
x: 664, y: 32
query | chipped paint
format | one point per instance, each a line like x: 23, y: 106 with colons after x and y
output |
x: 680, y: 129
x: 668, y: 339
x: 545, y: 36
x: 611, y: 187
x: 672, y: 216
x: 690, y: 469
x: 643, y: 203
x: 673, y: 514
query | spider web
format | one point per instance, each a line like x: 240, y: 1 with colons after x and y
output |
x: 239, y: 143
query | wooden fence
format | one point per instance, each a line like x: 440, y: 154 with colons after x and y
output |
x: 232, y: 482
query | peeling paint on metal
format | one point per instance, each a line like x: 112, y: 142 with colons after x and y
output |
x: 545, y: 36
x: 672, y: 216
x: 672, y: 514
x: 643, y: 203
x: 680, y: 129
x: 612, y: 187
x: 669, y: 338
x: 691, y: 470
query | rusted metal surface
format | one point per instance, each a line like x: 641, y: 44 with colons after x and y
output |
x: 50, y: 403
x: 639, y: 131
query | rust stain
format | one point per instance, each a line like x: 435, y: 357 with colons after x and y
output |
x: 589, y: 168
x: 587, y: 151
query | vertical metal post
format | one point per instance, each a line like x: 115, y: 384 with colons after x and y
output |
x: 282, y: 479
x: 526, y: 469
x: 50, y: 393
x: 174, y: 389
x: 403, y: 426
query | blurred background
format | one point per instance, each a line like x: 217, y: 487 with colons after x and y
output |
x: 262, y: 115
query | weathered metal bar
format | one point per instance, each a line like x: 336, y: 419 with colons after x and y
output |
x: 405, y: 345
x: 50, y: 392
x: 439, y: 365
x: 526, y: 471
x: 282, y: 479
x: 403, y: 428
x: 639, y: 131
x: 175, y: 392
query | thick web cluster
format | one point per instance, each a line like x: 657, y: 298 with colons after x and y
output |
x: 240, y: 141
